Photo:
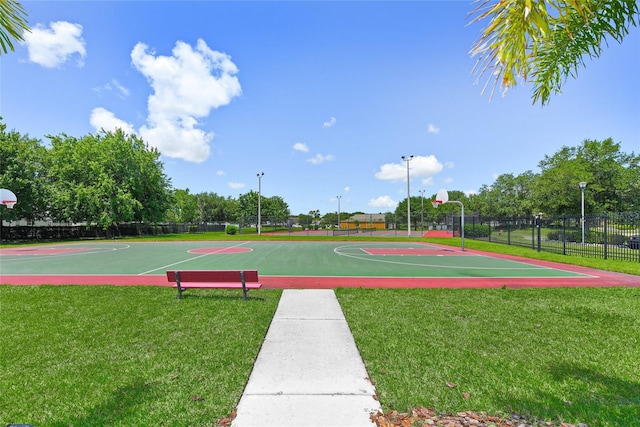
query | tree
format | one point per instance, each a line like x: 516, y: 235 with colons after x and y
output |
x: 213, y: 208
x: 277, y: 209
x: 13, y: 24
x: 546, y: 40
x: 612, y: 179
x: 508, y: 196
x: 107, y: 178
x: 24, y: 170
x: 248, y: 205
x: 183, y: 208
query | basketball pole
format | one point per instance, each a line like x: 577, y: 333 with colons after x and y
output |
x: 408, y: 159
x: 260, y: 175
x: 461, y: 219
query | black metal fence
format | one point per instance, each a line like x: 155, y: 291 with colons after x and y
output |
x: 606, y: 236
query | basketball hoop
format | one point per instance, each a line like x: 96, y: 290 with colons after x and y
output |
x: 436, y: 203
x: 7, y: 198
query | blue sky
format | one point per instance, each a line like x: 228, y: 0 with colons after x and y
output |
x: 323, y: 97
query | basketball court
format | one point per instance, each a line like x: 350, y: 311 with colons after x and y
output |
x: 286, y: 264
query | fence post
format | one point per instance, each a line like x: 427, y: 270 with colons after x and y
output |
x: 606, y: 246
x: 533, y: 230
x: 564, y: 234
x: 539, y: 227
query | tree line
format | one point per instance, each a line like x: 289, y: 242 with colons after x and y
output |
x: 612, y: 179
x: 108, y: 178
x: 111, y: 177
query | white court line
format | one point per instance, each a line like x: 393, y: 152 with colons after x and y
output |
x: 191, y: 259
x: 526, y: 266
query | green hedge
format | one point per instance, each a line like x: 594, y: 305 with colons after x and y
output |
x: 592, y: 237
x: 476, y: 230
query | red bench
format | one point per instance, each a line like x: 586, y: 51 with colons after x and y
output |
x: 214, y: 279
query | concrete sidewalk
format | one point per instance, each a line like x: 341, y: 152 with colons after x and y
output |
x: 309, y: 371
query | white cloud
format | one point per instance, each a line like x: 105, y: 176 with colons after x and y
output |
x: 113, y: 86
x: 300, y: 146
x: 186, y: 86
x: 104, y: 119
x: 383, y: 202
x: 331, y: 122
x: 448, y: 180
x: 220, y: 172
x: 52, y: 46
x: 236, y: 185
x: 419, y: 166
x: 319, y: 158
x: 431, y: 128
x: 450, y: 165
x: 347, y: 189
x: 427, y: 182
x: 120, y: 90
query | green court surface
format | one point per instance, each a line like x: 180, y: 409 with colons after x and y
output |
x: 322, y: 259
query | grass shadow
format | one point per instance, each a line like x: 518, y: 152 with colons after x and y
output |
x: 220, y: 297
x: 115, y: 410
x: 585, y: 395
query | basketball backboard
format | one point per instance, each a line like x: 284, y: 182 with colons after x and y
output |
x: 442, y: 195
x: 7, y: 198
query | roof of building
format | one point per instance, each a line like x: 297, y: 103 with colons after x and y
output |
x: 368, y: 218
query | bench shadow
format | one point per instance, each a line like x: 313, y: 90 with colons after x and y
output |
x: 220, y: 297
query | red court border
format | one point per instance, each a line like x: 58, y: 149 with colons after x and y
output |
x: 592, y: 278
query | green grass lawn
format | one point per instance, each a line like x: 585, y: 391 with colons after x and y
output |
x: 554, y: 354
x: 126, y: 356
x: 131, y: 356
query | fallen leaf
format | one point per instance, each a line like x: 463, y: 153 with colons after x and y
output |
x: 197, y: 398
x: 451, y: 385
x: 466, y: 395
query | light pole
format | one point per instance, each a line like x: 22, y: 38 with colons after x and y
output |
x: 260, y: 175
x: 582, y: 187
x: 408, y: 159
x: 422, y: 209
x: 339, y: 197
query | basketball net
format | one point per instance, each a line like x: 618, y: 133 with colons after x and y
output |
x: 436, y: 203
x: 8, y: 204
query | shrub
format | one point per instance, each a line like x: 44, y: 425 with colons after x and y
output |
x: 231, y: 229
x: 476, y: 230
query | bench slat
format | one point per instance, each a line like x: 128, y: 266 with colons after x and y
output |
x: 213, y: 276
x: 214, y: 279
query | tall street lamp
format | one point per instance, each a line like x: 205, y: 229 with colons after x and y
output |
x: 582, y: 187
x: 422, y: 209
x: 339, y: 197
x: 408, y: 159
x: 260, y: 175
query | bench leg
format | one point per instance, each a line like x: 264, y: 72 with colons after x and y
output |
x: 244, y: 285
x: 178, y: 284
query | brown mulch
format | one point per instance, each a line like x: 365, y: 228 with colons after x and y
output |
x: 428, y: 417
x: 421, y: 417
